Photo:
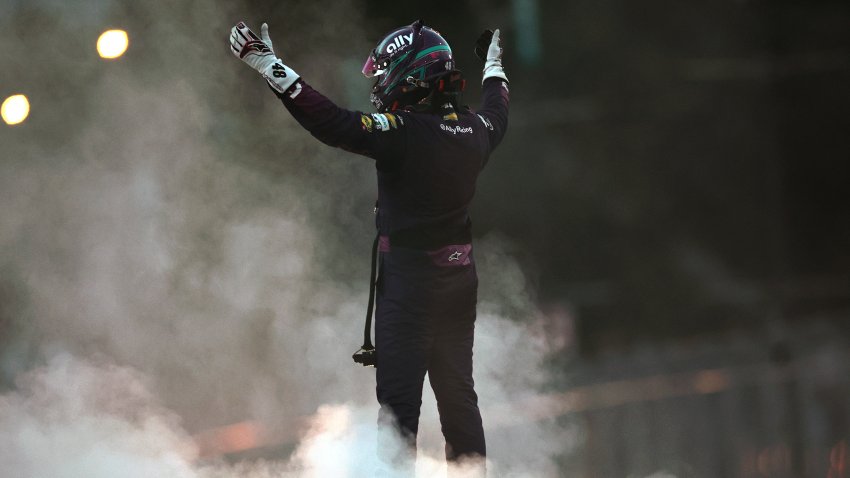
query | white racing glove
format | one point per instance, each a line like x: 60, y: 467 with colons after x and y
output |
x: 258, y: 54
x: 493, y: 60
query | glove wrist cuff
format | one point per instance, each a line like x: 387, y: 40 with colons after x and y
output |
x: 279, y: 76
x: 493, y: 69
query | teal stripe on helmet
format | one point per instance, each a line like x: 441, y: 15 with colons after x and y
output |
x: 395, y: 64
x: 420, y: 71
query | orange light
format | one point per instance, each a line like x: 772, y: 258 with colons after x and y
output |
x: 838, y: 460
x: 711, y: 381
x: 231, y: 438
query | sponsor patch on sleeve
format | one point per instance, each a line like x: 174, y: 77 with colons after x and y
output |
x: 392, y: 119
x: 366, y: 123
x: 382, y: 123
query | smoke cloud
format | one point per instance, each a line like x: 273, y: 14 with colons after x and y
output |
x: 178, y: 255
x: 91, y: 418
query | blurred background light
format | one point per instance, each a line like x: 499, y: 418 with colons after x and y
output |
x: 15, y: 109
x: 527, y: 26
x: 112, y: 43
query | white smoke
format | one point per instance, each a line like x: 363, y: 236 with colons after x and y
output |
x: 74, y: 419
x: 90, y: 418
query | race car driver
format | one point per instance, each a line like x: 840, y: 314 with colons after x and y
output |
x: 428, y: 152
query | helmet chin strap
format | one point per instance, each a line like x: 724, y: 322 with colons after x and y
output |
x: 418, y: 83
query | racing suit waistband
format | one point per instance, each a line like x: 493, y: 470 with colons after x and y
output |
x: 447, y: 256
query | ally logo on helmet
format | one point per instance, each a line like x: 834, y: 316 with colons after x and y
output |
x: 399, y: 42
x: 407, y: 64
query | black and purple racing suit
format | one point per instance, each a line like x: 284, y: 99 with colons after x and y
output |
x: 427, y: 164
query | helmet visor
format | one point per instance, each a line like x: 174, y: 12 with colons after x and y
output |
x: 374, y: 65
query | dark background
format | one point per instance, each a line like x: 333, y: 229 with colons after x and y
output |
x: 671, y: 169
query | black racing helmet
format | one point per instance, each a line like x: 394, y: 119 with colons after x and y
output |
x: 408, y: 64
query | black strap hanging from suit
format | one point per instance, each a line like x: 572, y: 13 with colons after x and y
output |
x: 366, y: 354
